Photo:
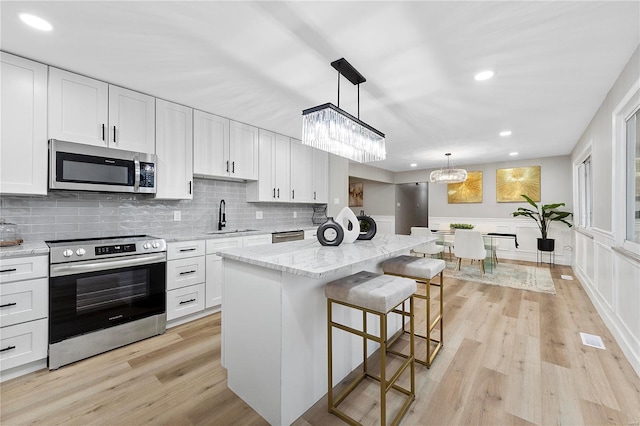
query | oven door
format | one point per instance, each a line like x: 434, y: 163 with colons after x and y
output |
x: 92, y: 295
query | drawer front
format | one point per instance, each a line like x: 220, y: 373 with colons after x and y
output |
x: 256, y: 240
x: 23, y: 343
x: 23, y: 268
x: 310, y: 233
x: 23, y: 301
x: 185, y: 272
x: 184, y: 249
x: 223, y: 243
x: 185, y: 301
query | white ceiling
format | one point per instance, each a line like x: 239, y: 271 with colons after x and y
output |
x: 264, y: 62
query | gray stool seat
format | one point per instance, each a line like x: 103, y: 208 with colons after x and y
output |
x: 411, y: 266
x: 376, y: 292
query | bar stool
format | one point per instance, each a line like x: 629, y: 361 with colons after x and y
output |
x: 380, y: 295
x: 422, y: 270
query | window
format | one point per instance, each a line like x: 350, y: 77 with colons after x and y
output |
x: 626, y: 170
x: 585, y: 194
x: 633, y: 178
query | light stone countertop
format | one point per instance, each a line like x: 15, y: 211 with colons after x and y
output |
x: 310, y: 259
x: 169, y: 238
x: 25, y: 249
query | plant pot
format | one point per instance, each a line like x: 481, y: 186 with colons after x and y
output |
x: 368, y: 227
x: 546, y: 244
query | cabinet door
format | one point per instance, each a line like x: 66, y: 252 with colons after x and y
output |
x: 23, y: 151
x: 131, y: 120
x: 210, y: 144
x: 174, y: 148
x: 77, y: 108
x: 301, y: 172
x: 320, y: 176
x: 265, y: 188
x: 243, y: 151
x: 282, y: 168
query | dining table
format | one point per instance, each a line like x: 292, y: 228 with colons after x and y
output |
x: 446, y: 238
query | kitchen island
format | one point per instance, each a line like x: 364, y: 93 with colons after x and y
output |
x: 274, y: 337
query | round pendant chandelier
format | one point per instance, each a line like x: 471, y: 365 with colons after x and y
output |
x: 448, y: 175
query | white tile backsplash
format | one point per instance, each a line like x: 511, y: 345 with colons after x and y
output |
x: 78, y: 214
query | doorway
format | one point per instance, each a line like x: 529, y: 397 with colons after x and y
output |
x: 412, y: 206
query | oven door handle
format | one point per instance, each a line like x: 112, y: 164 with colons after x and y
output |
x: 60, y: 270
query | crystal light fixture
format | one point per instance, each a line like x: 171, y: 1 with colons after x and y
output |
x: 331, y: 129
x: 448, y: 175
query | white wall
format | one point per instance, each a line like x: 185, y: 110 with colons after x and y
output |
x: 377, y: 198
x: 611, y: 278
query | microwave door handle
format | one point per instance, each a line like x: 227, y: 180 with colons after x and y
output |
x: 136, y: 183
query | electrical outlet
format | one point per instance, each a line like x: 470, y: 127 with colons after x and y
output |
x: 295, y: 215
x: 177, y: 215
x: 259, y: 214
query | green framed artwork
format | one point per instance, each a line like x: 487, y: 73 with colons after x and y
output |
x: 469, y: 191
x: 510, y: 183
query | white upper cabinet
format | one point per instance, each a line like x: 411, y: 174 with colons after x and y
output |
x: 23, y: 151
x: 301, y: 172
x: 320, y: 176
x: 210, y: 142
x: 174, y: 150
x: 92, y: 112
x: 242, y: 152
x: 131, y: 120
x: 273, y: 169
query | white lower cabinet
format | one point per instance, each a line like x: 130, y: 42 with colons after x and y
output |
x: 184, y: 301
x: 185, y: 278
x: 23, y: 343
x: 24, y: 302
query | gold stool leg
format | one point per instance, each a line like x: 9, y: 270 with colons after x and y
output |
x: 329, y: 357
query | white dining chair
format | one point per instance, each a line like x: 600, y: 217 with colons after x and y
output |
x: 469, y: 244
x: 430, y: 248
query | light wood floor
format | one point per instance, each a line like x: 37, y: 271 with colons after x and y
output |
x: 510, y: 357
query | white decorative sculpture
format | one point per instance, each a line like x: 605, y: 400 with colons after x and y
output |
x: 345, y: 217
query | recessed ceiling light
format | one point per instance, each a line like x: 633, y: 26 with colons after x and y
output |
x: 413, y: 165
x: 513, y: 154
x: 505, y: 133
x: 484, y: 75
x: 36, y: 22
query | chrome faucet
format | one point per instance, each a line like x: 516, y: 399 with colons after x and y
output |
x: 222, y: 215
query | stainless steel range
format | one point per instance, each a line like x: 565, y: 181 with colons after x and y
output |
x: 104, y: 293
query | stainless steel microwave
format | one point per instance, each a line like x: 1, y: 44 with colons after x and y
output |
x: 82, y: 167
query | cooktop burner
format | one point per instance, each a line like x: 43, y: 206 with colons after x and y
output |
x: 63, y: 251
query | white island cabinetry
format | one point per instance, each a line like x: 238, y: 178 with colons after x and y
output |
x: 274, y: 300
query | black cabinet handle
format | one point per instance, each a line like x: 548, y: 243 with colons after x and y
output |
x: 274, y: 193
x: 314, y: 195
x: 187, y: 301
x: 278, y: 192
x: 114, y: 134
x: 102, y: 131
x: 187, y: 249
x: 189, y: 187
x: 293, y: 194
x: 227, y: 166
x: 8, y: 348
x: 233, y: 167
x: 6, y: 305
x: 8, y: 270
x: 187, y: 272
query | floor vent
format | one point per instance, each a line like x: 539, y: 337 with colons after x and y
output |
x: 566, y: 277
x: 592, y: 340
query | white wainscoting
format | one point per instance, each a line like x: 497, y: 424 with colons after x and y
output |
x: 612, y: 281
x: 527, y: 232
x: 385, y: 224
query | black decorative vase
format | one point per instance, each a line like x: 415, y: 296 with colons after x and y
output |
x: 330, y: 233
x: 368, y: 227
x: 546, y: 244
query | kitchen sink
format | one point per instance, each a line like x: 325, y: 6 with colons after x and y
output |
x: 229, y: 231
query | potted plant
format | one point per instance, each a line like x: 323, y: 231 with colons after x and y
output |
x: 544, y: 215
x: 460, y: 226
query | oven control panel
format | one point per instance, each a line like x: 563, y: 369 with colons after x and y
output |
x: 114, y: 249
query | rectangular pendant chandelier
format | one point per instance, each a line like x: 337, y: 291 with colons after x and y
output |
x: 331, y: 129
